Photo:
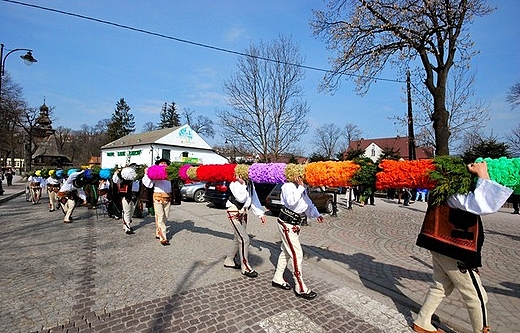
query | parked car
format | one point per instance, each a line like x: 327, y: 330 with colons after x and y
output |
x: 218, y: 193
x: 321, y: 199
x: 263, y: 190
x: 194, y: 191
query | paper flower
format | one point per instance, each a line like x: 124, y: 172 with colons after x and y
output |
x: 104, y: 173
x: 242, y: 171
x: 267, y: 173
x: 293, y: 171
x: 128, y: 173
x: 330, y: 173
x: 183, y: 172
x: 192, y: 173
x: 87, y: 174
x: 410, y: 174
x: 505, y: 171
x: 157, y: 172
x: 216, y: 172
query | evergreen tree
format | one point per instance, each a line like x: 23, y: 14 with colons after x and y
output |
x: 169, y: 116
x: 122, y: 122
x: 489, y: 147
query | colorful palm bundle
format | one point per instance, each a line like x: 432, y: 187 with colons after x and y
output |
x: 329, y: 173
x: 105, y: 173
x: 183, y: 172
x: 399, y: 174
x: 192, y: 173
x: 157, y: 172
x: 293, y: 171
x: 173, y: 170
x: 216, y: 172
x: 128, y: 173
x: 505, y: 171
x: 242, y: 171
x: 267, y: 173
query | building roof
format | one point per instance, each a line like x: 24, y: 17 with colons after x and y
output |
x: 49, y: 147
x: 398, y: 144
x: 140, y: 138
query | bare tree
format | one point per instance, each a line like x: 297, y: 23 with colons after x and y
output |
x: 352, y: 132
x: 369, y: 34
x: 28, y: 121
x: 326, y: 140
x: 267, y: 111
x: 513, y: 97
x: 149, y: 126
x: 11, y: 103
x: 200, y: 124
x: 514, y: 141
x: 81, y: 145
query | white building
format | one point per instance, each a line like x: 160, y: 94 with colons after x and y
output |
x: 179, y: 144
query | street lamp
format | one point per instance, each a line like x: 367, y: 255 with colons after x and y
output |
x: 234, y: 150
x: 28, y: 59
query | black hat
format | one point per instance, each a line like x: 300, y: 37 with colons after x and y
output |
x: 165, y: 160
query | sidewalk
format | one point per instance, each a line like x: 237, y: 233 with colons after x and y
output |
x: 10, y: 192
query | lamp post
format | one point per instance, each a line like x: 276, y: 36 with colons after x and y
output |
x: 234, y: 150
x: 28, y: 59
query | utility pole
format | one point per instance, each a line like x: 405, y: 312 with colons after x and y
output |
x: 411, y: 135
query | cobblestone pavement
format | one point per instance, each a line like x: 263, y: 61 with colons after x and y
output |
x: 89, y: 276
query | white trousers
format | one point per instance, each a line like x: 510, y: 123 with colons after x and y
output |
x: 53, y: 200
x: 36, y: 193
x: 162, y: 211
x: 68, y: 208
x: 447, y: 275
x: 128, y: 211
x: 240, y: 242
x: 291, y: 253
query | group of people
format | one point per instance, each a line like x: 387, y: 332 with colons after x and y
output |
x: 296, y: 206
x: 63, y: 191
x: 7, y: 173
x: 452, y: 231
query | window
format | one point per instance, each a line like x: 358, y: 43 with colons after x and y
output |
x: 166, y: 154
x: 373, y: 153
x: 184, y: 154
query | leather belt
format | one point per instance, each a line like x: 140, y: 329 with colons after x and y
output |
x: 288, y: 216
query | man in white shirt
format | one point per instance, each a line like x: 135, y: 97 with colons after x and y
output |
x: 243, y: 197
x: 296, y: 204
x: 453, y: 232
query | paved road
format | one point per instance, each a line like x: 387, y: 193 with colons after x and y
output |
x: 89, y: 276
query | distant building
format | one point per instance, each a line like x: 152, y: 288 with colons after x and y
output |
x: 178, y: 144
x: 48, y: 152
x: 373, y: 148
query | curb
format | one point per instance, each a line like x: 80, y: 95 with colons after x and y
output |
x: 5, y: 198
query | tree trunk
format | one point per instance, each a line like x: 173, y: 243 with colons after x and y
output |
x: 440, y: 125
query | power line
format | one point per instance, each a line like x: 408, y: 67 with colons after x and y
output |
x: 215, y: 48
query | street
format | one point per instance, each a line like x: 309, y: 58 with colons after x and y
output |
x: 369, y: 275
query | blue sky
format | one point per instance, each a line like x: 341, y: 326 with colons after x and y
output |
x: 85, y: 67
